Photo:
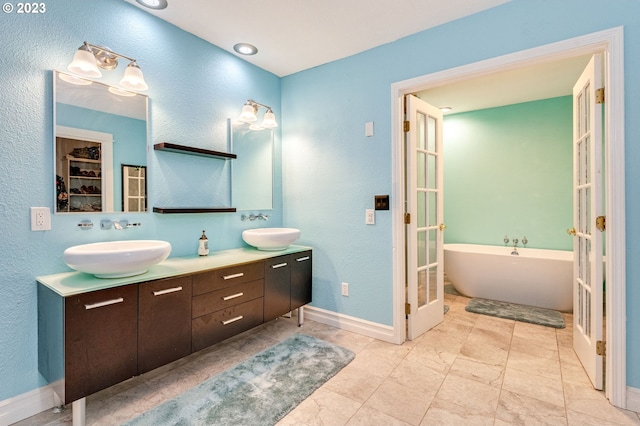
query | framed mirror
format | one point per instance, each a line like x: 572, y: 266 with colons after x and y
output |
x: 252, y: 171
x: 100, y: 131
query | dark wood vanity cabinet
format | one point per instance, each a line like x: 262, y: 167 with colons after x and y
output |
x: 287, y: 284
x: 301, y: 270
x: 226, y: 302
x: 277, y: 287
x: 100, y: 333
x: 164, y: 322
x: 93, y: 340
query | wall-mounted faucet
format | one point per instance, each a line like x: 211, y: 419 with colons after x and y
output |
x: 118, y: 225
x: 259, y: 216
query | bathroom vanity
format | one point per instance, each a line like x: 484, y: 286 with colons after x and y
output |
x: 94, y: 333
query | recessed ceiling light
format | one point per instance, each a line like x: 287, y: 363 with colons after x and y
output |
x: 245, y: 49
x: 153, y: 4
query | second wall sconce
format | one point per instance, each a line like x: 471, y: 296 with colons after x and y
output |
x: 89, y: 57
x: 248, y: 115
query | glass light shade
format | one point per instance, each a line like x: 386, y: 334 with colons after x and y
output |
x: 84, y: 64
x: 248, y: 114
x: 153, y: 4
x: 74, y: 79
x: 269, y: 120
x: 133, y: 78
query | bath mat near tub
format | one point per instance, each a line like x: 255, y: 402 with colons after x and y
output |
x: 523, y: 313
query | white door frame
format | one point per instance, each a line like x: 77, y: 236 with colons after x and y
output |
x: 612, y: 44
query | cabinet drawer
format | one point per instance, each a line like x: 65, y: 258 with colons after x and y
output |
x: 220, y: 299
x: 226, y: 277
x: 218, y: 326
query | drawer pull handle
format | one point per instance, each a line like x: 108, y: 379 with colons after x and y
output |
x: 279, y: 265
x: 229, y: 277
x: 105, y: 303
x: 169, y: 290
x: 229, y: 321
x: 302, y: 259
x: 233, y: 296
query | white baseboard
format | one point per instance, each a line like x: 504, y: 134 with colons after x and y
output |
x: 345, y: 322
x: 633, y: 399
x: 26, y: 405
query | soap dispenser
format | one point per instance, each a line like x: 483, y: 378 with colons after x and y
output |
x: 203, y: 247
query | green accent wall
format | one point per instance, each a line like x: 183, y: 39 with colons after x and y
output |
x: 508, y: 171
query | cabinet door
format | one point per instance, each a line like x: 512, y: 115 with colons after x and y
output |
x: 164, y: 322
x: 100, y: 340
x: 277, y: 287
x: 300, y: 279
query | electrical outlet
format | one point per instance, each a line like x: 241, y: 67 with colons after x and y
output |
x: 40, y: 219
x: 345, y: 289
x: 370, y: 216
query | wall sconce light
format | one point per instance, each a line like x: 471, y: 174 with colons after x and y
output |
x: 248, y: 115
x: 89, y: 57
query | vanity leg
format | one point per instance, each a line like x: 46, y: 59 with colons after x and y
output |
x: 78, y: 410
x: 300, y: 316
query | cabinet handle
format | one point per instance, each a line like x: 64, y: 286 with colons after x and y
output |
x: 279, y: 265
x: 227, y: 322
x: 169, y: 290
x: 233, y: 296
x: 228, y: 277
x: 302, y: 259
x: 105, y: 303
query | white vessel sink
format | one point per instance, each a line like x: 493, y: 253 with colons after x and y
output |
x: 271, y: 239
x: 116, y: 259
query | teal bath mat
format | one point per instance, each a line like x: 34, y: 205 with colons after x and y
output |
x: 258, y: 391
x: 523, y: 313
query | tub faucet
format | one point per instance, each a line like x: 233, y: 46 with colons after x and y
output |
x: 506, y: 240
x: 515, y: 243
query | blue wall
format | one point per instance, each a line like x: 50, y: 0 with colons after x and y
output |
x: 503, y: 169
x: 329, y: 172
x: 190, y: 111
x: 332, y: 171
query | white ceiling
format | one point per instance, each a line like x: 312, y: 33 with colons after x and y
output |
x: 294, y: 35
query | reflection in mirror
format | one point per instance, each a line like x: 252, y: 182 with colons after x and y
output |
x: 252, y: 171
x: 99, y: 129
x: 134, y: 188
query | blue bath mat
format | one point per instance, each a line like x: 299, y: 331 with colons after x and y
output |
x: 523, y: 313
x: 258, y: 391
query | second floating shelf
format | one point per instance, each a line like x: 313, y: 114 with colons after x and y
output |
x: 182, y: 149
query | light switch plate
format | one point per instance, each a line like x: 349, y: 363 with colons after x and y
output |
x: 370, y: 217
x: 368, y: 129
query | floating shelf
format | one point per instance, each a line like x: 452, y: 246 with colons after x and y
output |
x: 172, y: 147
x: 177, y: 210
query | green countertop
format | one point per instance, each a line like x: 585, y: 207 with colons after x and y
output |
x: 71, y: 283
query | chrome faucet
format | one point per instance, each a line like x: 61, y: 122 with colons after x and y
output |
x: 260, y: 216
x: 515, y: 247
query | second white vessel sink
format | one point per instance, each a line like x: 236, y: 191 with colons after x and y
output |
x: 271, y: 239
x: 116, y: 259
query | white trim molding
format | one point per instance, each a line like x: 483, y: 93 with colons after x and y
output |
x: 611, y: 42
x: 28, y: 404
x: 346, y: 322
x: 633, y: 399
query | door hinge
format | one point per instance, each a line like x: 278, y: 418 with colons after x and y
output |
x: 600, y: 95
x: 407, y: 126
x: 601, y: 348
x: 407, y: 218
x: 407, y: 308
x: 601, y: 223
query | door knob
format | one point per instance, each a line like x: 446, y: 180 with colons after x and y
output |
x: 442, y: 226
x: 572, y: 231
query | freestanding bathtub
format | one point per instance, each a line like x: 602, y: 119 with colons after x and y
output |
x: 536, y: 277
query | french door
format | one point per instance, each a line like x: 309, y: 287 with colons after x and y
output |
x: 588, y: 221
x: 423, y: 217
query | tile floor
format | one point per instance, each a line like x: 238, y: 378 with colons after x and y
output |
x: 469, y: 370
